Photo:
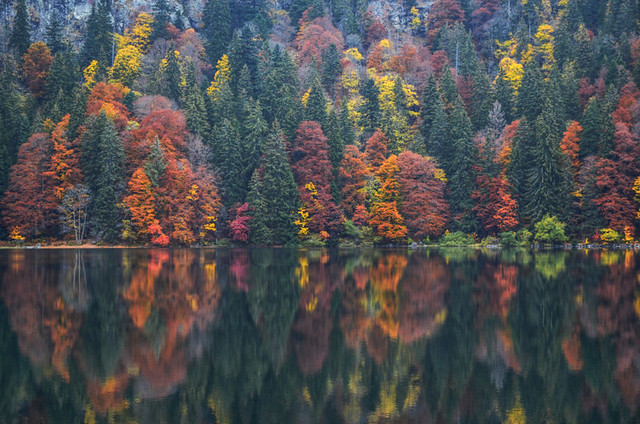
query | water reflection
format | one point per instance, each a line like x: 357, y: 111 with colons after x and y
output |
x: 319, y: 336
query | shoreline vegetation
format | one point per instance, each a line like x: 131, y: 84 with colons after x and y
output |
x: 313, y: 124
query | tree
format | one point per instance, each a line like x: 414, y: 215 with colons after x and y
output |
x: 239, y: 225
x: 217, y: 28
x: 278, y: 189
x: 29, y: 204
x: 384, y: 216
x: 103, y: 164
x: 99, y: 39
x: 75, y: 211
x: 20, y: 37
x: 370, y: 110
x: 35, y: 67
x: 161, y: 19
x: 424, y: 207
x: 376, y: 150
x: 171, y: 75
x: 54, y: 34
x: 495, y: 206
x: 353, y: 178
x: 550, y: 230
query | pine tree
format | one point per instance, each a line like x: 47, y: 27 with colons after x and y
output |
x: 20, y: 31
x: 216, y: 19
x: 103, y: 165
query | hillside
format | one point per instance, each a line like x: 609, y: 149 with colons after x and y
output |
x: 319, y: 122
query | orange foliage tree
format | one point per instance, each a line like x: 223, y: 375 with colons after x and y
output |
x: 424, y: 206
x: 570, y: 145
x: 35, y: 67
x: 385, y: 218
x: 353, y: 178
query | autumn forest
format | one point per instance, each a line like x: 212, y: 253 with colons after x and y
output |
x: 321, y: 123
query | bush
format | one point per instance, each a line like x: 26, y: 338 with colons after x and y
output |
x: 607, y: 235
x: 489, y: 241
x: 524, y: 237
x: 550, y: 230
x: 508, y: 239
x: 456, y: 239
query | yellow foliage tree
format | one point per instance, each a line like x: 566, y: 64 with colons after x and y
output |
x: 126, y: 65
x: 221, y: 77
x: 513, y: 72
x: 141, y: 33
x: 89, y: 74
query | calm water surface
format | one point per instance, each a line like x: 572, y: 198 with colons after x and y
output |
x: 320, y: 336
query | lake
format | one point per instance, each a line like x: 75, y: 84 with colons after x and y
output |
x: 319, y: 336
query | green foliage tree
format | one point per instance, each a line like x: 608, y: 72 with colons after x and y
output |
x: 98, y: 43
x: 550, y: 230
x: 20, y: 38
x: 216, y: 19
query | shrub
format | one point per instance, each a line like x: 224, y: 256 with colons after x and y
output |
x: 508, y: 239
x: 456, y: 239
x: 607, y: 235
x: 524, y: 237
x: 550, y: 230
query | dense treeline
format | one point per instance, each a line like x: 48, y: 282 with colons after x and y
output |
x: 324, y: 121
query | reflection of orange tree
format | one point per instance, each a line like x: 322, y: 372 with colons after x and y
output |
x: 617, y: 318
x: 318, y: 278
x: 168, y: 295
x: 108, y: 396
x: 38, y: 314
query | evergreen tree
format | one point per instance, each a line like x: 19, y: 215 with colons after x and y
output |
x: 20, y: 38
x: 336, y: 151
x: 316, y: 109
x: 430, y: 97
x: 244, y: 51
x: 370, y: 111
x: 529, y: 102
x: 550, y: 183
x: 54, y: 34
x: 505, y: 95
x: 103, y: 165
x: 461, y: 179
x: 331, y: 67
x: 279, y: 189
x: 438, y: 143
x: 347, y: 132
x: 156, y: 163
x: 195, y: 107
x: 230, y: 157
x: 519, y: 168
x: 481, y: 98
x: 259, y: 233
x: 98, y: 43
x: 170, y: 85
x: 279, y: 94
x: 591, y: 123
x: 216, y: 19
x: 161, y: 19
x: 63, y: 77
x: 253, y: 131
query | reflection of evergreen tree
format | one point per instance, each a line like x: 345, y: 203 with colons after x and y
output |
x: 274, y: 300
x: 103, y: 332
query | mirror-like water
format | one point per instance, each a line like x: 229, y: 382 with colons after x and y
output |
x: 320, y: 336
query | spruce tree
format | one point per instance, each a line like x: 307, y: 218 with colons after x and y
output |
x: 430, y: 97
x: 316, y: 109
x: 529, y: 101
x: 550, y: 183
x: 161, y: 18
x: 331, y: 67
x: 54, y: 34
x: 438, y: 144
x: 98, y: 44
x: 216, y: 19
x: 370, y: 110
x: 253, y: 131
x: 156, y: 163
x: 519, y: 168
x: 259, y: 233
x: 347, y: 132
x: 279, y: 94
x: 20, y: 38
x: 591, y: 123
x: 279, y: 189
x: 244, y: 51
x: 171, y: 76
x: 103, y: 165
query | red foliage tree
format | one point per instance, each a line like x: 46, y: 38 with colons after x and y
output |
x: 310, y: 164
x: 30, y: 204
x: 376, y: 150
x: 35, y: 67
x: 424, y: 206
x: 375, y: 32
x: 141, y: 204
x: 239, y: 226
x: 65, y: 161
x: 314, y: 38
x: 439, y: 59
x: 169, y: 126
x: 495, y: 207
x: 353, y: 178
x: 443, y: 12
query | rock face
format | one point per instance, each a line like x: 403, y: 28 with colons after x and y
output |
x: 74, y: 14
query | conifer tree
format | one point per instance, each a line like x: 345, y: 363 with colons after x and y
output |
x: 216, y: 19
x: 278, y: 189
x: 529, y: 101
x: 161, y: 18
x: 54, y: 34
x: 370, y: 111
x: 98, y: 43
x: 316, y: 109
x: 430, y: 97
x: 171, y: 76
x: 331, y: 67
x: 259, y: 233
x: 103, y: 165
x: 20, y: 38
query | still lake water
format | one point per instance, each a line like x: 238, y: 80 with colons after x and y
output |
x: 319, y: 336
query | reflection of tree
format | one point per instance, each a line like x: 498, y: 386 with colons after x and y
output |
x: 274, y: 298
x: 313, y: 323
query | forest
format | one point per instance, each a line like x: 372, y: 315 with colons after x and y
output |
x: 312, y: 122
